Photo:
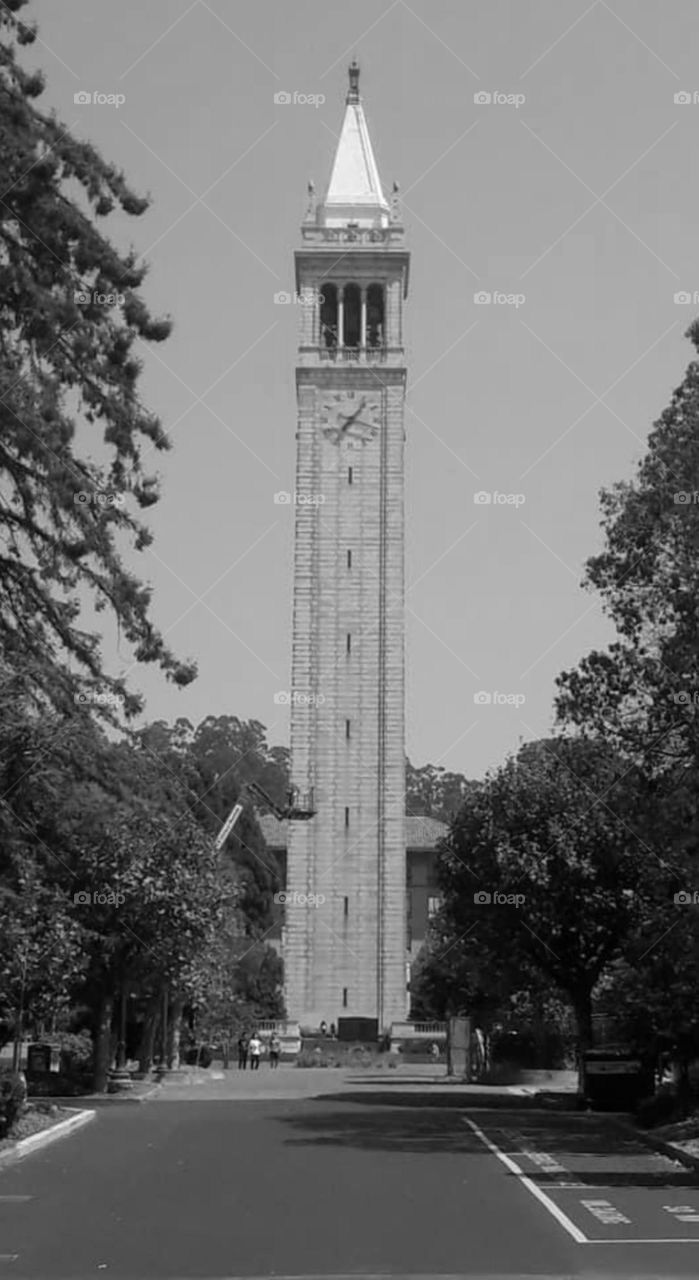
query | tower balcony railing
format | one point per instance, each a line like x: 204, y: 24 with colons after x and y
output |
x: 360, y: 237
x: 352, y: 355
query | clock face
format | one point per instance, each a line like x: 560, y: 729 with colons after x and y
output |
x: 350, y: 417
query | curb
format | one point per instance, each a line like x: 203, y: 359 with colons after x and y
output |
x: 42, y: 1139
x: 658, y: 1144
x: 100, y: 1099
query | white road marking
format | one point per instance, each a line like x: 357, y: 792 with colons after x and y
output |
x: 682, y: 1212
x: 562, y: 1218
x: 14, y: 1199
x: 648, y: 1240
x: 605, y: 1212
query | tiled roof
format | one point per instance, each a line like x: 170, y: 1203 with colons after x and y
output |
x: 421, y: 832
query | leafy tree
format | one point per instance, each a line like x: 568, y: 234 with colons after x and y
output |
x: 68, y: 358
x: 433, y: 791
x: 157, y: 905
x: 543, y: 826
x: 211, y: 765
x: 643, y: 694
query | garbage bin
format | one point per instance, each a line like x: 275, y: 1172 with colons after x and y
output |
x: 617, y: 1079
x: 38, y: 1059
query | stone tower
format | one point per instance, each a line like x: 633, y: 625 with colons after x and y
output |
x: 345, y: 956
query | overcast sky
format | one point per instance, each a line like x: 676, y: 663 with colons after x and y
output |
x: 583, y: 197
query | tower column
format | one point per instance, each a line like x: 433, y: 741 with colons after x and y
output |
x: 341, y: 316
x: 344, y: 939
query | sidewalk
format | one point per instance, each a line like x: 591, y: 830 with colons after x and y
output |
x: 291, y: 1082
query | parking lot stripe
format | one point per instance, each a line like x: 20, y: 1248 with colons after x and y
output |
x: 562, y: 1218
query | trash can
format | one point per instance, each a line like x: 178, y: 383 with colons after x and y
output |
x: 617, y: 1079
x: 38, y: 1059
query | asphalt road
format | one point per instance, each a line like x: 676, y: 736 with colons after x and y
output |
x: 364, y: 1184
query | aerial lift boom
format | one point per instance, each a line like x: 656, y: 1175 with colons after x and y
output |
x: 297, y: 809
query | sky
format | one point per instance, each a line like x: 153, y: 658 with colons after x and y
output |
x: 570, y: 198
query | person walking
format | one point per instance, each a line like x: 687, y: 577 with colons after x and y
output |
x: 274, y: 1049
x: 243, y: 1047
x: 255, y: 1048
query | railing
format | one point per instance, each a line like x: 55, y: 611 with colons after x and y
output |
x: 353, y: 235
x: 354, y: 355
x: 417, y: 1030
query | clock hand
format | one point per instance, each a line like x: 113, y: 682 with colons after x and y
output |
x: 350, y: 420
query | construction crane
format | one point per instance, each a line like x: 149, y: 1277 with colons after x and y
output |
x: 298, y: 808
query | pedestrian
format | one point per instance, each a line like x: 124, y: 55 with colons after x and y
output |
x: 274, y: 1049
x: 435, y: 1051
x: 324, y: 1028
x: 255, y: 1047
x: 243, y: 1046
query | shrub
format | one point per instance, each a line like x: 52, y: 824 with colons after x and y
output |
x: 55, y: 1084
x: 13, y: 1099
x: 76, y: 1053
x: 201, y: 1056
x: 660, y: 1108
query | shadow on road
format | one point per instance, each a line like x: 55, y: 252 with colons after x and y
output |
x: 588, y: 1149
x: 460, y: 1101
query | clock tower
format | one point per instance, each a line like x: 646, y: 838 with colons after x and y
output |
x: 344, y: 942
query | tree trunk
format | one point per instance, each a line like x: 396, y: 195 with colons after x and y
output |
x: 684, y: 1091
x: 174, y: 1033
x: 103, y: 1042
x: 582, y: 1004
x: 150, y: 1026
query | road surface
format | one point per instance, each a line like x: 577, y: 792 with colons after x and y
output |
x: 369, y: 1182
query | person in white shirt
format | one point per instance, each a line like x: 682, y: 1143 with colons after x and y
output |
x: 255, y: 1051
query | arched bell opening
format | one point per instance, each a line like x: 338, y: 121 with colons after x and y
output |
x: 328, y: 316
x: 375, y: 319
x: 352, y: 327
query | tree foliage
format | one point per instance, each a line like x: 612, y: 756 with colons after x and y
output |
x: 69, y: 369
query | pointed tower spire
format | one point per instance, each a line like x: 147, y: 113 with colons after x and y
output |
x: 354, y: 193
x: 353, y: 91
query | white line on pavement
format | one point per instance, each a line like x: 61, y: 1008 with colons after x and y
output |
x: 648, y: 1240
x: 562, y: 1218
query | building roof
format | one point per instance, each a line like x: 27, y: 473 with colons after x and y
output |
x: 354, y: 192
x: 421, y: 832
